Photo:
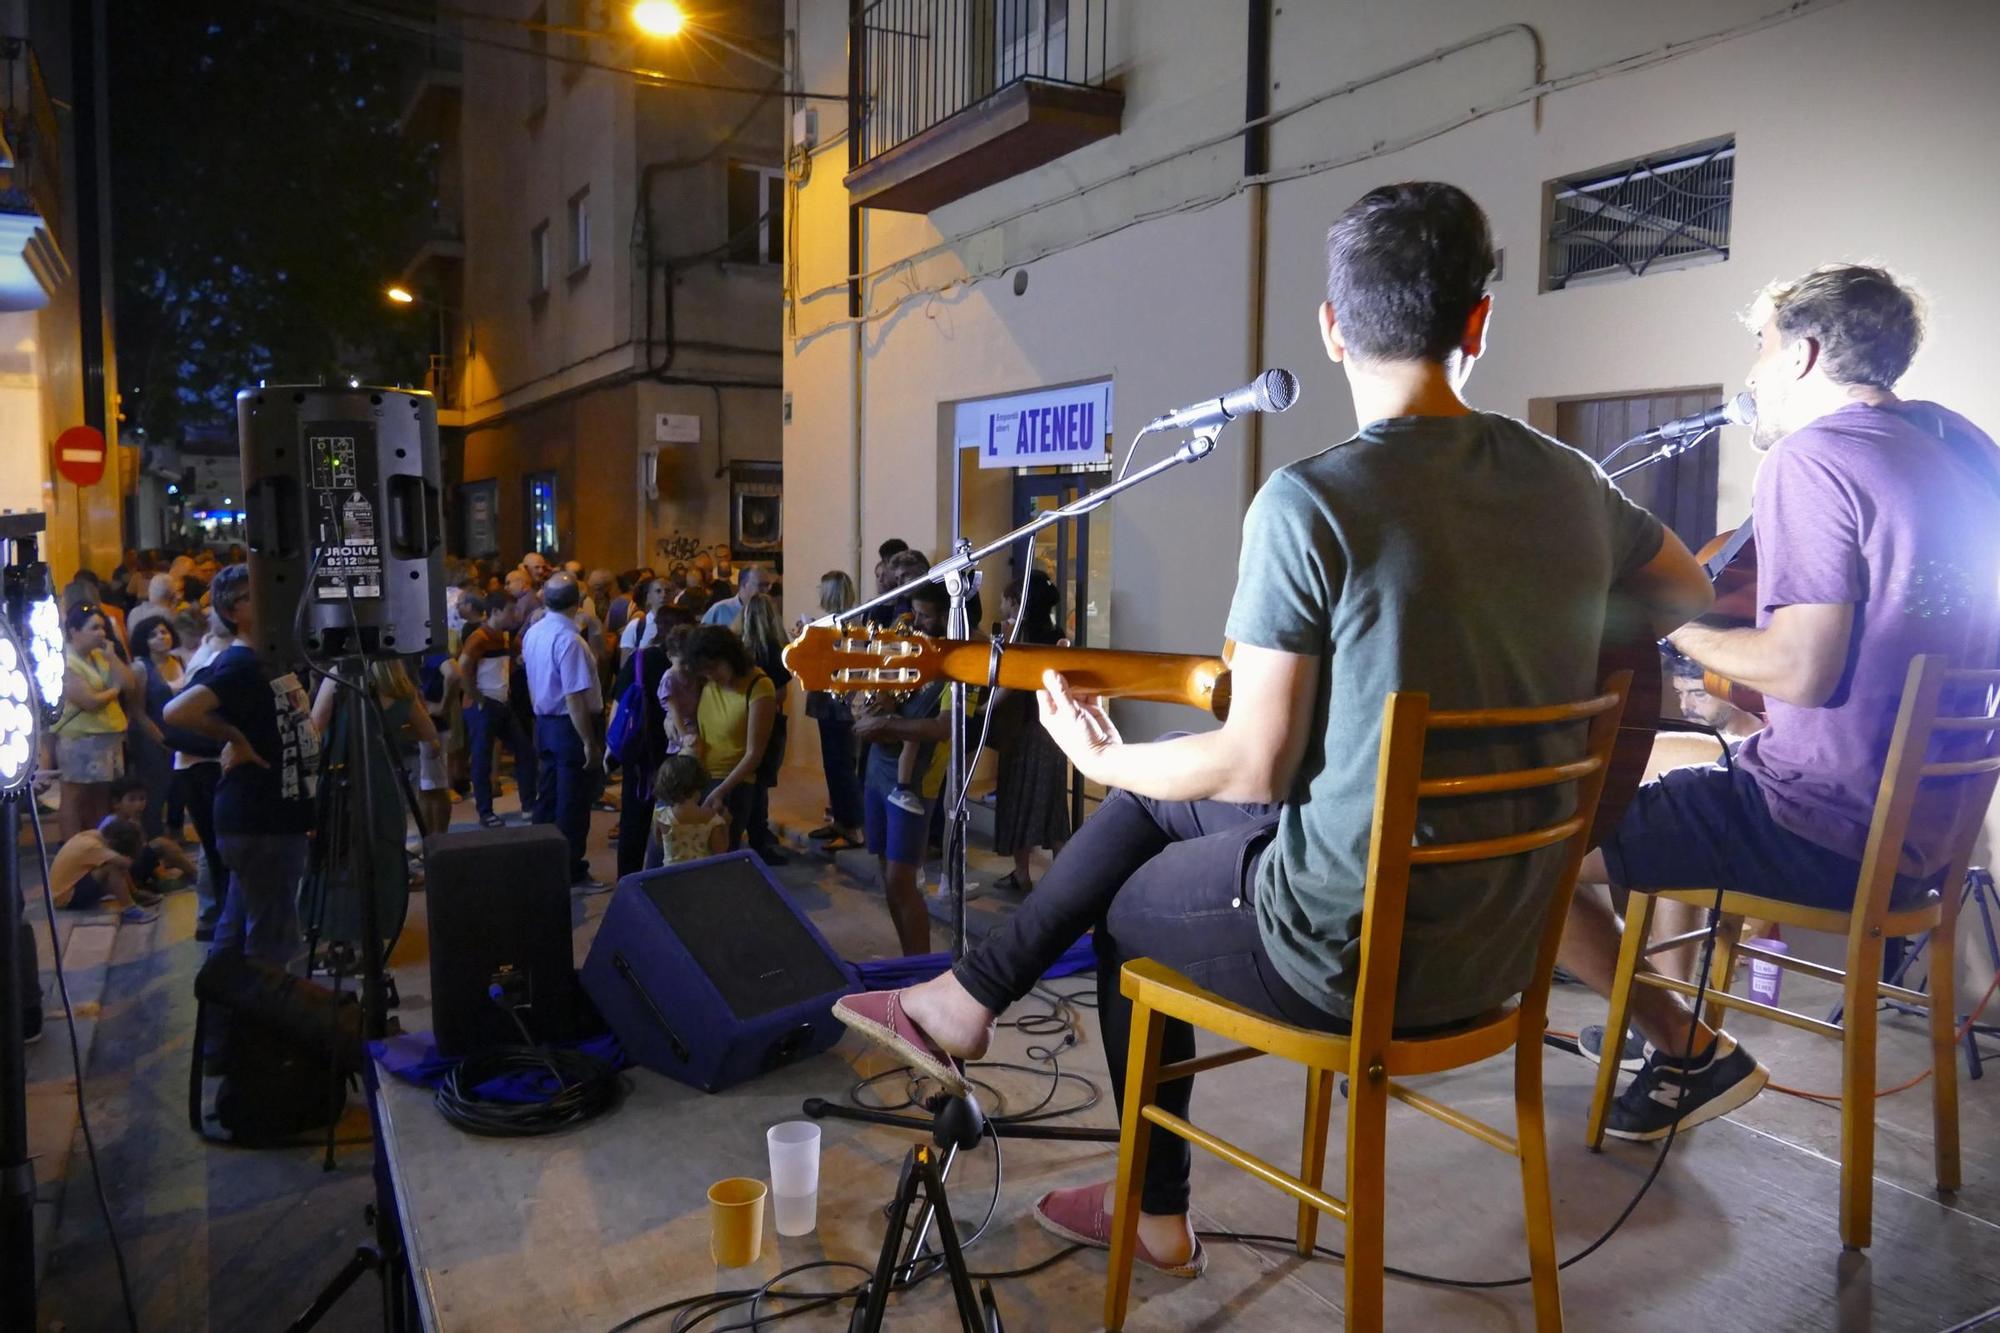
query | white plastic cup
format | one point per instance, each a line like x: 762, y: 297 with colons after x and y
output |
x: 794, y: 1148
x: 1766, y: 978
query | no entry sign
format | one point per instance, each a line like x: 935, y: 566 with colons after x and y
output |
x: 80, y: 455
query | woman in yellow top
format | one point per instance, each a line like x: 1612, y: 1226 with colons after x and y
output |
x: 738, y: 708
x: 90, y: 734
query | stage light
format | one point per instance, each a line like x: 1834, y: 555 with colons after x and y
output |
x: 400, y: 295
x: 18, y: 716
x: 173, y: 489
x: 658, y: 18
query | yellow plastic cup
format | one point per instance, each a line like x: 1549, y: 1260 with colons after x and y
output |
x: 736, y: 1221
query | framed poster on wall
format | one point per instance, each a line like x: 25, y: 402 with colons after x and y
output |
x: 479, y: 519
x: 756, y: 510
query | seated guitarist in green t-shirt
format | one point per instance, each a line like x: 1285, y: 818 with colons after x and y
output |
x: 1439, y: 549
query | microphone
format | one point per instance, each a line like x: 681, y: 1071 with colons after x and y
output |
x: 1738, y: 411
x: 1272, y: 391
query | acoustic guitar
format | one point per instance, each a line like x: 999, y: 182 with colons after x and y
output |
x: 1731, y: 561
x: 847, y: 660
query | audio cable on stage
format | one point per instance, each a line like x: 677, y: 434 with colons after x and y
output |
x: 586, y: 1087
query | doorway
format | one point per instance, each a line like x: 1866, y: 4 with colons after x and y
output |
x: 1680, y: 491
x: 1063, y: 552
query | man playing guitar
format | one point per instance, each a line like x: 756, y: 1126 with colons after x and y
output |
x: 1439, y: 549
x: 1875, y: 523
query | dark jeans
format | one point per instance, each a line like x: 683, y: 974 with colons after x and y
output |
x: 564, y: 789
x: 843, y: 781
x: 1168, y: 880
x: 635, y: 819
x: 493, y: 722
x: 154, y: 765
x: 260, y: 915
x: 197, y: 787
x: 741, y: 807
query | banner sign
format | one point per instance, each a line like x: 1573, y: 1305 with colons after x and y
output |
x: 1052, y: 427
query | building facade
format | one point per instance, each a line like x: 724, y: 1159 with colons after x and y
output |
x: 1179, y: 255
x: 44, y: 309
x: 599, y: 267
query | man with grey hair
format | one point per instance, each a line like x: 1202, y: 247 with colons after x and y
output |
x: 750, y: 580
x: 160, y: 601
x: 1874, y: 519
x: 568, y: 702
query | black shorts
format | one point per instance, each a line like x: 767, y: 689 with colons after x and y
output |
x: 1707, y: 827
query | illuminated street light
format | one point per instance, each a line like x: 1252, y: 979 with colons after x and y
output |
x: 400, y: 295
x: 658, y: 18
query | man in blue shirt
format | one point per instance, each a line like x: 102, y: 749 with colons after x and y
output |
x: 750, y: 580
x: 563, y: 686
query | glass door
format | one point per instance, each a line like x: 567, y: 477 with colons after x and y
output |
x: 1062, y: 551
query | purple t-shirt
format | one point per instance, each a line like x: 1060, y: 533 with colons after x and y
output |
x: 1875, y: 507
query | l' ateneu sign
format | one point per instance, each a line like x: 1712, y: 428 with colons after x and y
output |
x: 1065, y: 427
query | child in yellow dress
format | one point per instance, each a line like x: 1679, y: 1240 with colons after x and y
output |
x: 682, y: 830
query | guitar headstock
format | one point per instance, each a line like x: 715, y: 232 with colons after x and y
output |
x: 871, y: 660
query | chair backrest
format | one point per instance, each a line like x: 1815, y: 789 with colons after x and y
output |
x: 1407, y: 720
x: 1937, y: 706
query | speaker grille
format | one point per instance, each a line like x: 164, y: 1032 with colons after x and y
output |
x: 752, y: 947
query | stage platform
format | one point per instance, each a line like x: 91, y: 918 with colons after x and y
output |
x: 580, y: 1231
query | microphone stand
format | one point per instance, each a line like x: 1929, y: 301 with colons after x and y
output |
x: 956, y: 1122
x: 1669, y: 447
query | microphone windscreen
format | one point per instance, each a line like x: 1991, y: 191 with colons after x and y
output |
x: 1277, y: 390
x: 1742, y: 409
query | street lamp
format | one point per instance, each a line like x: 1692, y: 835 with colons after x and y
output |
x: 658, y: 18
x: 400, y: 295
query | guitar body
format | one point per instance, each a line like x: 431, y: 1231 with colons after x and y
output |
x: 1735, y: 608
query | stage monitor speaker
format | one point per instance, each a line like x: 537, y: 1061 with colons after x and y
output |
x: 710, y: 974
x: 343, y: 491
x: 499, y: 910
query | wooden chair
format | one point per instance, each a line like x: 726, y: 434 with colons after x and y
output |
x: 1371, y: 1055
x: 1918, y: 721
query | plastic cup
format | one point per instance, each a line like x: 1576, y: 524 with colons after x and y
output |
x: 1766, y: 978
x: 794, y: 1148
x: 736, y: 1221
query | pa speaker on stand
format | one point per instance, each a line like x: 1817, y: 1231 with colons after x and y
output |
x: 345, y: 491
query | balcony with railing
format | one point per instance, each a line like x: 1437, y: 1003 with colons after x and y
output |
x: 32, y: 266
x: 951, y: 96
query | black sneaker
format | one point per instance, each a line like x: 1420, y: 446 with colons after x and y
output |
x: 1590, y: 1045
x: 1718, y: 1083
x: 31, y: 1026
x: 492, y: 821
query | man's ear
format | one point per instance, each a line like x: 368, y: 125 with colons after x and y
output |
x: 1473, y: 342
x: 1801, y: 355
x: 1329, y: 333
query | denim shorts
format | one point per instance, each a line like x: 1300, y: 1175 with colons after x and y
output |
x: 894, y: 835
x: 1707, y: 827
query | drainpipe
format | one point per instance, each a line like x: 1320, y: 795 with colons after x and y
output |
x: 856, y: 248
x: 1256, y: 161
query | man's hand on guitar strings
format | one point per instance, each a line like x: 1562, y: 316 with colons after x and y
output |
x: 1077, y: 722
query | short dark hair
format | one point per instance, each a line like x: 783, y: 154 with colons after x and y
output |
x: 1867, y: 324
x: 907, y: 564
x: 894, y: 546
x: 155, y: 623
x: 710, y: 644
x: 125, y: 784
x: 930, y: 594
x: 82, y: 613
x: 1405, y: 265
x: 122, y: 836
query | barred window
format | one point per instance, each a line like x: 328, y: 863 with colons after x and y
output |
x: 1669, y: 210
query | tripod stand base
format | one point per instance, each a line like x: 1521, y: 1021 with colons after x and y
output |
x: 922, y: 1172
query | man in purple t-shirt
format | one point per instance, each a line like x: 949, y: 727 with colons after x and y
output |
x: 1874, y: 519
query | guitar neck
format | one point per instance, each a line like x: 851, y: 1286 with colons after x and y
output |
x: 1167, y: 678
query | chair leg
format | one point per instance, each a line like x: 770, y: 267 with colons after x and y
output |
x: 1722, y: 971
x: 1537, y: 1206
x: 1142, y: 1067
x: 1857, y: 1098
x: 1367, y: 1134
x: 1638, y: 928
x: 1944, y: 1051
x: 1312, y: 1153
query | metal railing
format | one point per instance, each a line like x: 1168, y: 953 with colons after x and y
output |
x: 914, y: 64
x: 1657, y: 212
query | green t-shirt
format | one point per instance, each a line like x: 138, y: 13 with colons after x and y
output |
x: 1470, y: 558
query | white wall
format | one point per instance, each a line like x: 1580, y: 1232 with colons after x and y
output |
x: 1860, y: 129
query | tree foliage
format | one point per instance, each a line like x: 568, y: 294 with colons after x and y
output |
x: 261, y: 198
